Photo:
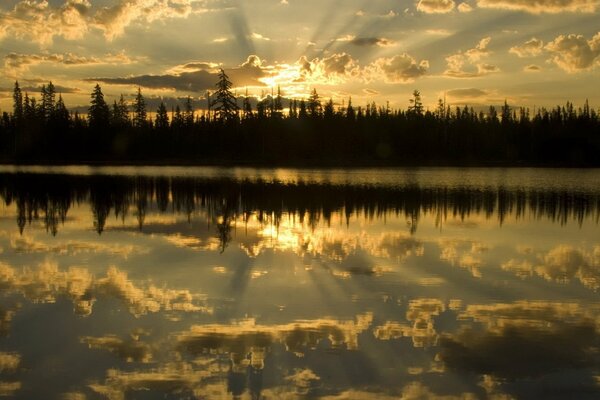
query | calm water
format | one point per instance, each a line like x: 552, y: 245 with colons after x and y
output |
x: 150, y: 283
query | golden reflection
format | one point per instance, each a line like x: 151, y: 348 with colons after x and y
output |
x: 463, y: 253
x: 561, y: 264
x: 524, y: 339
x: 176, y: 377
x: 131, y: 350
x: 246, y: 337
x: 9, y: 388
x: 420, y: 312
x: 9, y: 361
x: 27, y: 244
x: 47, y: 282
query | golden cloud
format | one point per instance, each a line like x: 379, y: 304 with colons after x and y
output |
x: 541, y: 6
x: 435, y: 6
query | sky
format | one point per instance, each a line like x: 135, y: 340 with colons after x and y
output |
x: 474, y: 52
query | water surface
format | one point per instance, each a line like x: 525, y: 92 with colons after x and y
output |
x: 149, y: 283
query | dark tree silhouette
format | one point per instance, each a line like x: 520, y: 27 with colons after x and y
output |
x: 139, y: 110
x: 98, y: 113
x: 224, y: 103
x: 162, y: 119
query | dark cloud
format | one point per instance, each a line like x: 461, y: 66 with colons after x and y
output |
x: 371, y: 41
x: 466, y: 93
x: 195, y: 81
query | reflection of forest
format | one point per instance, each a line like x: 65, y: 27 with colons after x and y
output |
x: 49, y: 197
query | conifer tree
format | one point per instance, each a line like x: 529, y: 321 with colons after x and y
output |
x: 314, y: 104
x: 17, y: 104
x: 189, y: 112
x: 247, y: 106
x: 139, y: 110
x: 98, y: 114
x: 224, y: 104
x: 162, y: 119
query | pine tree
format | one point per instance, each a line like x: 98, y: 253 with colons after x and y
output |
x: 328, y: 110
x: 139, y: 110
x: 277, y: 105
x: 314, y: 104
x: 98, y: 114
x: 120, y: 113
x: 189, y: 112
x: 17, y: 104
x: 350, y: 114
x: 247, y: 106
x: 162, y: 118
x: 416, y: 106
x: 224, y: 104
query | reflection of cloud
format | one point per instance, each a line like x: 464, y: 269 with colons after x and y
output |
x: 129, y: 350
x: 194, y: 243
x: 26, y: 244
x: 9, y: 388
x: 561, y: 264
x: 304, y: 380
x: 247, y: 338
x: 9, y: 361
x: 177, y: 378
x: 523, y: 339
x: 47, y: 283
x: 463, y: 253
x: 420, y: 312
x: 541, y: 6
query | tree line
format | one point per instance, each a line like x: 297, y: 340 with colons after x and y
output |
x: 308, y: 131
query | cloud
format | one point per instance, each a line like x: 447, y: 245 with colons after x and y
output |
x: 466, y: 93
x: 541, y: 6
x: 114, y: 19
x: 464, y: 8
x: 467, y: 64
x: 372, y: 41
x: 401, y: 68
x: 335, y: 68
x: 574, y: 53
x: 19, y: 62
x: 435, y: 6
x: 40, y: 22
x: 197, y: 79
x: 532, y: 68
x: 531, y: 48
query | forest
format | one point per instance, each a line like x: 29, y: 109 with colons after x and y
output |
x: 305, y: 132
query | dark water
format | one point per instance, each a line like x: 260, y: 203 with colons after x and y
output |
x: 154, y: 283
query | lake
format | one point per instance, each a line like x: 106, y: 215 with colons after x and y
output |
x: 181, y: 283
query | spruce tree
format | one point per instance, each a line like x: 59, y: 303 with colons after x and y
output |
x: 139, y: 110
x: 98, y: 114
x: 224, y: 104
x: 17, y: 104
x: 162, y: 118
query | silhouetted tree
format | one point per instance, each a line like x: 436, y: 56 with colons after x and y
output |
x: 17, y: 104
x: 139, y: 110
x: 162, y: 119
x: 224, y: 104
x: 98, y: 113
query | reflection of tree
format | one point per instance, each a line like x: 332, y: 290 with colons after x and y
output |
x: 224, y: 201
